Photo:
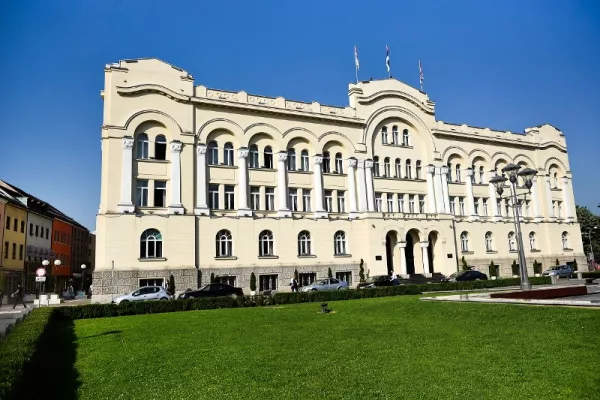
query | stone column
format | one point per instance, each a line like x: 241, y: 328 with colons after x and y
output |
x: 125, y: 205
x: 537, y: 209
x: 352, y: 187
x: 444, y: 174
x: 493, y: 197
x: 282, y: 191
x: 424, y: 246
x: 567, y: 203
x: 402, y: 248
x: 369, y: 182
x: 176, y: 207
x: 319, y: 209
x: 201, y: 206
x: 551, y: 215
x: 431, y: 208
x: 362, y: 188
x: 439, y: 193
x: 470, y: 199
x: 243, y: 209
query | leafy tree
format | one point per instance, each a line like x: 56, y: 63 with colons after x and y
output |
x: 329, y: 273
x: 493, y: 269
x: 465, y: 266
x: 361, y: 272
x: 171, y: 285
x: 515, y: 268
x: 537, y: 267
x: 574, y: 265
x: 253, y: 282
x: 212, y: 277
x: 590, y: 236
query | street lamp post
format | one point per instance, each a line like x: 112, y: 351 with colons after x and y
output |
x: 83, y: 267
x: 514, y: 172
x: 592, y: 258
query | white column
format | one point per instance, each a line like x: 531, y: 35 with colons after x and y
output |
x: 551, y: 215
x: 362, y: 186
x: 282, y: 191
x: 176, y: 207
x: 439, y: 194
x: 567, y: 203
x: 243, y: 209
x: 352, y: 187
x: 537, y: 209
x: 402, y: 248
x: 470, y: 198
x: 319, y: 209
x: 431, y: 208
x: 369, y: 182
x: 125, y: 205
x: 493, y: 197
x: 201, y: 206
x: 444, y: 175
x: 424, y: 246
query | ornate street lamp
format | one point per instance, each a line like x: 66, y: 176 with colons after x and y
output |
x: 513, y: 172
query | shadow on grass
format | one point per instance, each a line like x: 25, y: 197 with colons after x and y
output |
x: 102, y: 334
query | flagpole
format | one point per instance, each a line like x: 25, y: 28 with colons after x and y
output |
x: 356, y: 69
x: 356, y: 63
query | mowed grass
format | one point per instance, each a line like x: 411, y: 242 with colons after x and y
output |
x: 386, y: 348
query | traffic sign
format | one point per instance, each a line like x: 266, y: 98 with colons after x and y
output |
x: 40, y: 272
x: 40, y: 279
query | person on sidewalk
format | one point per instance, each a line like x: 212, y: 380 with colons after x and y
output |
x: 18, y: 295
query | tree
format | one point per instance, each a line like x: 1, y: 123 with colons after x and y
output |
x: 493, y: 269
x: 361, y: 272
x: 212, y: 277
x: 296, y: 275
x: 590, y: 236
x: 574, y: 265
x: 537, y: 267
x: 515, y: 268
x: 557, y: 262
x: 329, y: 273
x: 171, y: 285
x: 465, y: 266
x: 252, y: 282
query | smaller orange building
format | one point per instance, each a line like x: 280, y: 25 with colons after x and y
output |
x: 62, y: 239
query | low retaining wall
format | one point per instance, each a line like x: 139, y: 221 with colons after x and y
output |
x: 551, y: 293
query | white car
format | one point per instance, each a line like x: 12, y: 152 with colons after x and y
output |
x: 144, y: 293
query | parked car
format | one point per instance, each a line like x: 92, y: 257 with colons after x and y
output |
x: 213, y: 290
x: 375, y: 281
x: 470, y: 275
x: 144, y: 293
x: 559, y: 270
x: 325, y: 284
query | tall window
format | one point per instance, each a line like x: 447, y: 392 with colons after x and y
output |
x: 476, y: 205
x: 151, y: 244
x: 141, y: 146
x: 293, y: 198
x: 405, y: 140
x: 389, y: 199
x: 408, y: 174
x: 386, y: 167
x: 224, y: 243
x: 481, y: 175
x: 565, y: 240
x: 228, y: 154
x: 291, y: 160
x: 394, y: 134
x: 265, y: 246
x: 160, y: 148
x: 398, y: 168
x: 532, y: 241
x: 512, y: 242
x: 229, y: 197
x: 378, y: 202
x: 339, y: 240
x: 255, y: 197
x: 376, y: 166
x: 160, y: 194
x: 268, y: 156
x: 453, y: 205
x: 329, y: 200
x: 489, y: 244
x: 339, y: 163
x: 213, y: 153
x: 411, y: 204
x: 401, y: 203
x: 341, y: 201
x: 304, y: 163
x: 253, y: 156
x: 213, y: 197
x: 485, y: 207
x: 304, y: 243
x: 555, y: 179
x: 464, y: 242
x: 306, y: 200
x: 418, y: 169
x: 458, y: 174
x: 141, y: 192
x: 449, y: 172
x: 421, y: 204
x: 270, y: 198
x: 326, y: 162
x: 384, y: 138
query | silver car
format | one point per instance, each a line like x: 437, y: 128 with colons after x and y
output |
x: 144, y: 293
x: 325, y: 284
x: 559, y: 270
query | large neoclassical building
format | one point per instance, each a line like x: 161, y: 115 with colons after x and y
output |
x: 199, y: 182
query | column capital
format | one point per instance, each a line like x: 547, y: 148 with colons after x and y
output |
x: 360, y: 164
x: 430, y: 169
x: 369, y: 163
x: 469, y: 172
x: 424, y: 244
x: 200, y: 149
x: 318, y: 159
x: 243, y: 152
x: 282, y: 156
x: 176, y: 147
x: 444, y: 170
x: 352, y: 162
x: 128, y: 142
x: 401, y: 245
x: 565, y: 180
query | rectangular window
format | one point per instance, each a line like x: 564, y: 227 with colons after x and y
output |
x: 411, y: 204
x: 499, y: 205
x: 461, y: 205
x: 341, y: 201
x: 213, y: 197
x: 141, y: 192
x: 7, y: 222
x: 329, y: 200
x: 56, y: 236
x: 476, y: 204
x: 270, y: 198
x: 485, y: 207
x: 255, y: 197
x: 453, y: 205
x: 15, y: 224
x: 293, y: 199
x: 527, y: 208
x: 306, y: 200
x: 401, y: 203
x: 229, y: 197
x: 229, y: 280
x: 421, y: 204
x: 21, y: 252
x: 306, y: 278
x: 378, y: 202
x: 152, y: 282
x: 160, y: 194
x: 559, y: 207
x: 6, y: 250
x: 14, y: 251
x: 267, y: 282
x: 389, y: 199
x: 344, y: 276
x: 30, y: 229
x: 37, y: 231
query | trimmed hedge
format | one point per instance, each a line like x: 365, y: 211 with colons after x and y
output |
x: 587, y: 275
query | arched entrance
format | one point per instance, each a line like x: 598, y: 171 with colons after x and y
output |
x: 431, y: 250
x: 413, y: 253
x: 391, y: 239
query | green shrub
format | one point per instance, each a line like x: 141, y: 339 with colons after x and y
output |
x: 515, y: 268
x: 587, y: 275
x: 212, y: 277
x: 465, y: 266
x: 537, y: 267
x: 361, y: 272
x: 557, y: 262
x: 253, y: 282
x: 493, y: 269
x: 171, y: 285
x: 574, y: 265
x: 329, y: 273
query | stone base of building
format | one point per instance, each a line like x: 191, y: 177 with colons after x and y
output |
x: 115, y: 283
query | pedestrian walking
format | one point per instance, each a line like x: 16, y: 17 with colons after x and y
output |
x: 394, y: 278
x: 294, y: 284
x: 18, y: 295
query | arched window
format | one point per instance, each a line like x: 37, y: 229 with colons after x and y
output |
x: 141, y: 146
x: 304, y: 243
x: 213, y: 153
x: 464, y: 242
x: 268, y: 157
x: 304, y: 163
x: 512, y: 242
x: 489, y: 244
x: 339, y: 163
x: 481, y: 175
x: 265, y: 243
x: 339, y: 245
x: 394, y: 134
x: 565, y: 240
x: 160, y: 148
x: 473, y: 174
x: 408, y: 174
x: 405, y: 138
x: 253, y: 156
x: 398, y: 168
x: 458, y: 175
x: 384, y: 138
x: 224, y: 243
x: 532, y: 240
x: 228, y: 153
x: 326, y: 162
x: 555, y: 178
x: 375, y: 166
x: 386, y: 167
x: 291, y: 160
x: 151, y: 244
x: 418, y: 169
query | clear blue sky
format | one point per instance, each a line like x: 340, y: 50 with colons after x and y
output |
x: 503, y: 64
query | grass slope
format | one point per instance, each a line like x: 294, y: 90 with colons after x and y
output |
x: 386, y: 348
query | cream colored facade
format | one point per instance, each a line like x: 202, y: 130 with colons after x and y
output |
x: 203, y: 173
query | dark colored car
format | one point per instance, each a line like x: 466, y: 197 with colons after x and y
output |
x: 470, y: 275
x: 375, y: 281
x: 213, y: 290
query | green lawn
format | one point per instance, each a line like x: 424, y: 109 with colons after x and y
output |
x: 386, y: 348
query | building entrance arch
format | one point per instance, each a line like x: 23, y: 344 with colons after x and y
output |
x: 391, y: 240
x: 413, y: 252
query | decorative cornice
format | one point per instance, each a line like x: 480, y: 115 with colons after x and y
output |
x: 511, y: 142
x: 151, y: 88
x: 429, y: 109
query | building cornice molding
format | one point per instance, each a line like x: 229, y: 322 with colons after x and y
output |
x: 503, y: 141
x: 151, y: 88
x: 428, y: 108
